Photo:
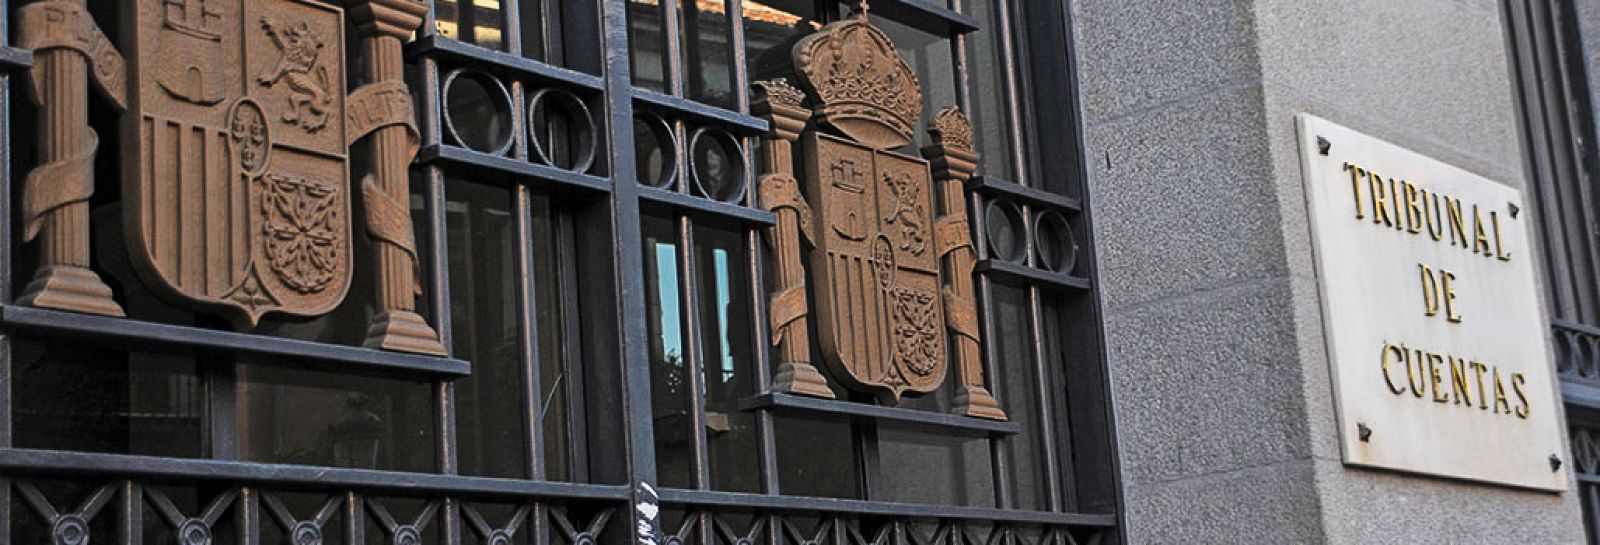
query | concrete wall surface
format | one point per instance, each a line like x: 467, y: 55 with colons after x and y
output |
x: 1223, y: 402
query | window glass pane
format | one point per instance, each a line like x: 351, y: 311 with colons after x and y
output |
x: 532, y: 14
x: 771, y: 29
x: 669, y: 395
x: 490, y: 414
x: 949, y: 469
x: 929, y: 57
x: 472, y: 21
x: 1017, y: 396
x: 310, y: 417
x: 707, y: 51
x: 558, y: 377
x: 645, y: 44
x: 71, y: 397
x: 985, y: 73
x: 817, y: 457
x: 724, y: 312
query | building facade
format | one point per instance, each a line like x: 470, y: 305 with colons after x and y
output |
x: 809, y: 272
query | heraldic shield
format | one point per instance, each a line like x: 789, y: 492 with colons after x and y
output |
x: 875, y: 268
x: 236, y: 182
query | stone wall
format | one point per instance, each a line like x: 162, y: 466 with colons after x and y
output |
x: 1223, y: 402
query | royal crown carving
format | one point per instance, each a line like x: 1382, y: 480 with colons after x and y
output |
x: 890, y: 271
x: 864, y: 89
x: 951, y: 128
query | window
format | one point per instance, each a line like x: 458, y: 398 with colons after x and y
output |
x: 529, y: 294
x: 1555, y: 89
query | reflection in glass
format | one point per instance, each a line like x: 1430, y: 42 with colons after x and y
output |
x: 929, y: 57
x: 484, y: 323
x: 308, y: 417
x: 724, y: 313
x: 707, y: 51
x: 949, y: 469
x: 816, y: 457
x: 477, y: 110
x: 71, y: 397
x: 985, y: 63
x: 479, y: 23
x: 770, y: 32
x: 717, y: 165
x: 645, y: 44
x: 654, y: 151
x: 1017, y: 395
x: 669, y: 387
x: 557, y: 371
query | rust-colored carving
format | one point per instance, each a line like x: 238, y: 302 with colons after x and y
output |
x: 384, y: 110
x: 70, y: 53
x: 885, y: 316
x: 236, y: 190
x: 953, y: 162
x: 865, y: 90
x: 876, y: 286
x: 779, y: 103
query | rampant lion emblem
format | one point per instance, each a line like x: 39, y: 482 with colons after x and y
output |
x: 309, y: 100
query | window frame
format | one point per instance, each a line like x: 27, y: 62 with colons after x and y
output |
x: 614, y: 467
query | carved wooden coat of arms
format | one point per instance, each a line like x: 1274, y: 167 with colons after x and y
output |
x: 236, y: 182
x: 890, y: 271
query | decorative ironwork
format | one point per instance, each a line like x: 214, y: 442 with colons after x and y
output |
x: 830, y: 528
x: 1577, y: 348
x: 70, y: 528
x: 70, y: 53
x: 243, y: 506
x: 491, y: 535
x: 236, y: 187
x: 195, y: 530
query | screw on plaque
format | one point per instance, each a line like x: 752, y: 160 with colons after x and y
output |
x: 1514, y: 209
x: 1555, y: 463
x: 1364, y: 432
x: 1323, y: 145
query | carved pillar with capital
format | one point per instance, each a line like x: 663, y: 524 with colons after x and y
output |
x: 70, y: 53
x: 386, y: 104
x: 779, y: 103
x: 953, y: 161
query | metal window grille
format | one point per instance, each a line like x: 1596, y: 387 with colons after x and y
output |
x: 560, y: 87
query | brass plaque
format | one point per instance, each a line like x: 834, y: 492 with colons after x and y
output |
x: 881, y: 315
x: 236, y: 183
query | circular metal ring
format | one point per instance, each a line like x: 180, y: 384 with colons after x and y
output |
x: 654, y: 150
x: 583, y: 132
x: 494, y: 140
x: 306, y: 533
x: 1054, y: 246
x: 702, y: 145
x: 70, y: 530
x: 1005, y: 230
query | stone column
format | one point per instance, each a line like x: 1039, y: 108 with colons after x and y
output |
x: 779, y: 103
x: 55, y: 196
x: 953, y: 161
x: 384, y: 25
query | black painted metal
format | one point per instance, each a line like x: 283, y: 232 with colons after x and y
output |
x: 603, y: 337
x: 990, y: 185
x: 834, y: 505
x: 869, y: 413
x: 128, y: 333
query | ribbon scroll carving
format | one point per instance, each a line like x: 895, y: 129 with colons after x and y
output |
x: 890, y: 274
x: 237, y: 129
